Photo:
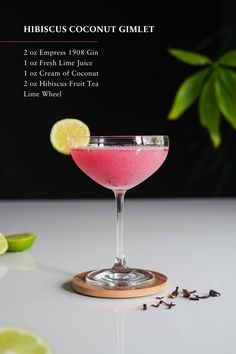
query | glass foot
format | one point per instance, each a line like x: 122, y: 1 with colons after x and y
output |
x: 111, y: 278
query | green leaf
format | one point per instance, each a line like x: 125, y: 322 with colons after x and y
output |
x: 225, y: 88
x: 228, y: 58
x: 191, y: 58
x: 187, y: 93
x: 209, y: 111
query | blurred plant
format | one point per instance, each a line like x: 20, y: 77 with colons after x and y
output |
x: 215, y: 86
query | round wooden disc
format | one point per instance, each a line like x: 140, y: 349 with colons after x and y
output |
x: 80, y: 285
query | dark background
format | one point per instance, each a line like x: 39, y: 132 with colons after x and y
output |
x: 139, y: 81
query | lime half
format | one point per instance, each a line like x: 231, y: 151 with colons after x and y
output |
x: 3, y: 244
x: 65, y: 129
x: 20, y: 242
x: 15, y: 340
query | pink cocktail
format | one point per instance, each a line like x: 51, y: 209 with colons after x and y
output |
x: 120, y: 163
x: 117, y: 167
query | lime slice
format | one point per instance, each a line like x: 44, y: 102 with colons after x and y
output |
x: 15, y: 340
x: 3, y: 244
x: 20, y: 242
x: 65, y: 129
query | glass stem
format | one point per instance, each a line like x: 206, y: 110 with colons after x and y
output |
x: 120, y: 263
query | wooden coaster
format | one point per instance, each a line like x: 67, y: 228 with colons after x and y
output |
x: 80, y: 285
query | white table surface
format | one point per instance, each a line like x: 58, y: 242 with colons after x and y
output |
x: 192, y: 241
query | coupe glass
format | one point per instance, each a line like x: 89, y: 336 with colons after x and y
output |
x: 119, y: 163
